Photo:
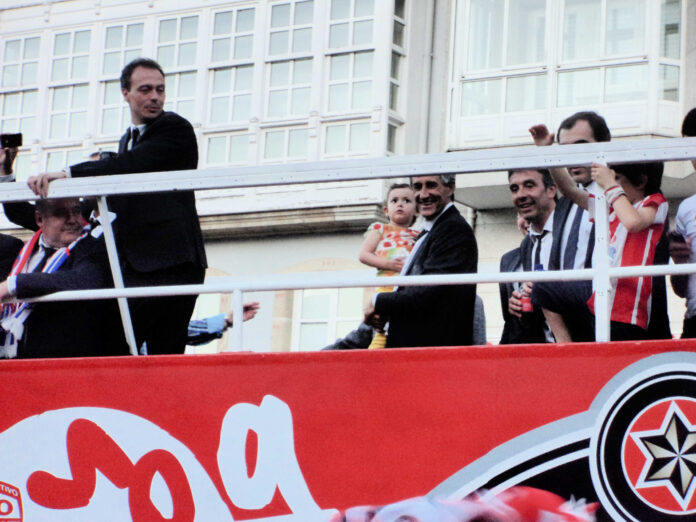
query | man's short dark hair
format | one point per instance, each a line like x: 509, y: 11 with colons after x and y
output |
x: 127, y: 71
x: 635, y: 171
x: 600, y: 131
x: 689, y: 124
x: 44, y: 206
x: 546, y: 178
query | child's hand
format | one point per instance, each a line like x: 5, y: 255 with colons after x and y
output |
x: 603, y: 175
x: 395, y: 265
x: 541, y: 135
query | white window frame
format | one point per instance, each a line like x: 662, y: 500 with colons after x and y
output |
x: 233, y: 35
x: 288, y: 87
x: 125, y: 52
x: 20, y: 63
x: 286, y: 156
x: 70, y: 111
x: 228, y: 138
x: 351, y: 80
x: 71, y: 56
x: 291, y: 29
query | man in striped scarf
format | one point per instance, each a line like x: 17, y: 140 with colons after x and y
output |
x: 62, y: 255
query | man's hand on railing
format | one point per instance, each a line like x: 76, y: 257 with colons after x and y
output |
x: 39, y: 183
x: 541, y: 135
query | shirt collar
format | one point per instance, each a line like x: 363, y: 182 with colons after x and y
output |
x: 428, y: 223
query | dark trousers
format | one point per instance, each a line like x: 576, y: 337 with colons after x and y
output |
x: 162, y: 322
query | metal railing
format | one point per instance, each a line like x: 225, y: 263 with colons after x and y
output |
x: 475, y: 161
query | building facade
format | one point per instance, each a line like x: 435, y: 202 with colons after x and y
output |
x: 287, y: 81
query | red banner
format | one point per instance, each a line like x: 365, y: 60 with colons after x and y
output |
x: 298, y: 436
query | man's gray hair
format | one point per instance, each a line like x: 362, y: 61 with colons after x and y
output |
x: 447, y: 179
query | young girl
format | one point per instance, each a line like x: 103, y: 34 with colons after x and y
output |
x: 386, y: 247
x: 638, y: 212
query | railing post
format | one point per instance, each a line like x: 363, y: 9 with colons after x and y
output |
x: 238, y: 312
x: 601, y: 281
x: 116, y: 273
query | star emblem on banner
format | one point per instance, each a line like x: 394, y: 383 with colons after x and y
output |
x: 670, y: 453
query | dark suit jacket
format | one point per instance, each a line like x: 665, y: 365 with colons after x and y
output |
x: 72, y: 328
x: 9, y: 248
x: 435, y: 315
x: 155, y: 231
x: 516, y: 331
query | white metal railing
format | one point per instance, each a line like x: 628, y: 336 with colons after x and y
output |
x: 486, y: 160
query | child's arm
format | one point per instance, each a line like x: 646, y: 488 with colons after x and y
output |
x: 369, y: 258
x: 542, y: 137
x: 633, y: 219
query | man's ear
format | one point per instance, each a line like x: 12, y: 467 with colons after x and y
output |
x: 385, y: 209
x: 553, y: 189
x: 38, y: 218
x: 124, y: 92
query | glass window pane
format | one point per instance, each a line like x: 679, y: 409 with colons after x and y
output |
x: 61, y: 98
x: 29, y: 102
x: 241, y: 107
x: 670, y: 29
x: 526, y: 93
x: 362, y: 32
x: 10, y: 126
x: 186, y: 109
x: 222, y: 23
x: 395, y: 64
x: 58, y: 126
x: 362, y: 95
x: 350, y: 300
x: 303, y: 12
x: 244, y: 78
x: 279, y: 42
x: 280, y: 73
x: 302, y: 40
x: 398, y: 37
x: 112, y: 62
x: 81, y: 43
x: 55, y: 161
x: 526, y: 34
x: 297, y: 146
x: 669, y: 82
x: 338, y: 97
x: 393, y: 96
x: 340, y: 66
x: 581, y: 29
x: 61, y: 44
x: 626, y: 83
x: 12, y: 50
x: 245, y: 20
x: 239, y: 148
x: 363, y: 65
x: 399, y: 8
x: 302, y: 71
x: 187, y: 84
x: 481, y: 97
x: 277, y: 103
x: 11, y: 107
x: 10, y: 75
x: 189, y: 27
x: 275, y: 142
x: 80, y: 66
x: 579, y: 87
x: 359, y: 142
x: 340, y: 9
x: 187, y: 54
x: 112, y: 93
x: 167, y: 31
x: 31, y: 48
x: 131, y: 55
x: 216, y: 150
x: 338, y: 35
x: 134, y: 35
x: 300, y: 100
x: 80, y: 97
x: 280, y: 15
x: 485, y: 43
x: 313, y: 336
x: 114, y: 36
x: 110, y: 121
x: 221, y: 49
x: 29, y: 73
x: 625, y: 31
x: 366, y: 8
x: 243, y: 46
x: 219, y: 109
x: 222, y: 80
x: 78, y: 124
x: 165, y: 56
x: 344, y: 327
x: 335, y: 139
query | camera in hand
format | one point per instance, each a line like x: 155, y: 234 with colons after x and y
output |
x: 10, y: 141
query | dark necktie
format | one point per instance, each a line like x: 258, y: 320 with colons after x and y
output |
x: 537, y: 252
x: 135, y: 134
x: 573, y: 237
x: 47, y: 253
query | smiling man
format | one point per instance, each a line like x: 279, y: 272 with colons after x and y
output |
x: 158, y: 236
x: 432, y: 315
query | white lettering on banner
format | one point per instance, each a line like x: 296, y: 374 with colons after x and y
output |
x: 276, y: 462
x: 144, y: 473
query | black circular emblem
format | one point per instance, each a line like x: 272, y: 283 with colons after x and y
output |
x: 644, y: 458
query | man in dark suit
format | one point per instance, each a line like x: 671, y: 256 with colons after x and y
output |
x: 534, y: 197
x: 158, y: 235
x: 66, y: 328
x: 432, y: 315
